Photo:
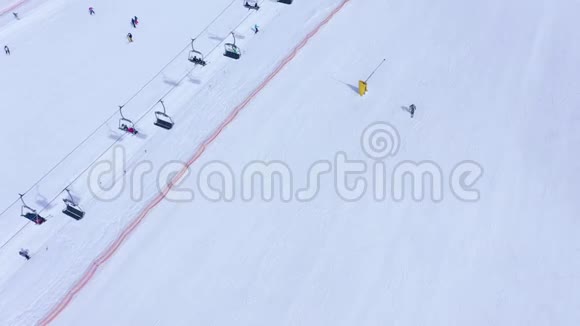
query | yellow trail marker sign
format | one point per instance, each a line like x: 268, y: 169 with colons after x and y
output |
x: 362, y: 87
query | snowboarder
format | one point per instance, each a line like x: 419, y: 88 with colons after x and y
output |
x: 24, y: 253
x: 133, y: 23
x: 130, y: 37
x: 256, y: 29
x: 16, y: 15
x: 412, y: 109
x: 6, y: 49
x: 91, y: 11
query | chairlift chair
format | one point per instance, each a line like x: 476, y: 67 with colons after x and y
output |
x: 251, y: 5
x: 125, y: 124
x: 196, y: 56
x: 72, y: 209
x: 288, y: 2
x: 232, y: 50
x: 162, y: 119
x: 30, y: 213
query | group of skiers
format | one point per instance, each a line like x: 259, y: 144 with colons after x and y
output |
x: 134, y: 23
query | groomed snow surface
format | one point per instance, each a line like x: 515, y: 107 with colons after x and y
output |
x: 497, y: 94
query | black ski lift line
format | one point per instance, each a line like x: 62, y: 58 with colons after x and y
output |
x: 196, y: 56
x: 162, y: 119
x: 72, y: 209
x: 251, y: 4
x: 232, y: 50
x: 30, y: 213
x: 125, y: 124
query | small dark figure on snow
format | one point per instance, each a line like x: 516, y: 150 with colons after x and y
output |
x: 133, y: 23
x: 130, y: 37
x: 412, y: 109
x: 16, y: 15
x: 256, y: 29
x: 24, y: 253
x: 6, y: 50
x: 136, y: 20
x: 91, y: 11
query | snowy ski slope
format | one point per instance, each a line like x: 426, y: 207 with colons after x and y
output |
x: 494, y: 82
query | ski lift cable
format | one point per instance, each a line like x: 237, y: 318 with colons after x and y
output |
x: 140, y: 118
x: 172, y: 88
x: 112, y: 144
x: 113, y: 114
x: 179, y: 53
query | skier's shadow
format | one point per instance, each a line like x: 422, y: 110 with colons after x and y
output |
x: 406, y: 109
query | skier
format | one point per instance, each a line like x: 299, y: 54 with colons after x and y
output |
x: 24, y: 253
x: 133, y: 23
x: 6, y: 49
x: 91, y: 11
x: 130, y: 37
x: 256, y: 29
x: 16, y: 15
x: 412, y: 109
x: 136, y: 20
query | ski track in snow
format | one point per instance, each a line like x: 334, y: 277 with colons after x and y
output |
x: 110, y: 251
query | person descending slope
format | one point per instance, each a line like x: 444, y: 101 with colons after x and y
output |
x: 130, y: 37
x: 256, y: 29
x: 412, y: 109
x: 6, y: 50
x: 91, y: 11
x: 133, y: 23
x: 136, y: 20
